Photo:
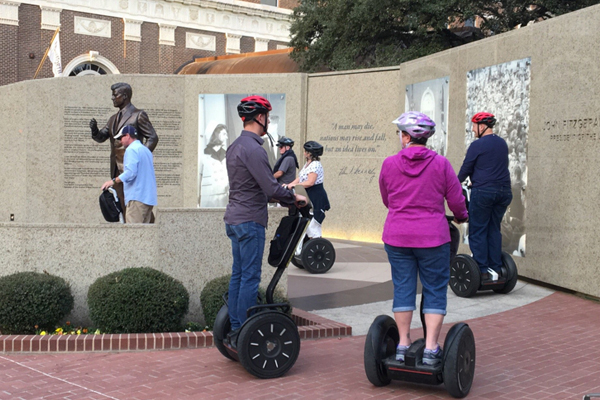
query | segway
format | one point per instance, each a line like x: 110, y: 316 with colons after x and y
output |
x: 465, y: 275
x: 456, y: 371
x: 268, y: 342
x: 317, y: 255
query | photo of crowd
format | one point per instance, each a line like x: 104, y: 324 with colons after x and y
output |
x: 431, y: 98
x: 218, y: 126
x: 503, y: 90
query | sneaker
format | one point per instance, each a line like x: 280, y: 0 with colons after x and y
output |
x: 401, y: 352
x: 493, y: 274
x: 433, y: 357
x: 232, y: 338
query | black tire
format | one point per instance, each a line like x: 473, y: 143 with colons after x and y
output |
x: 381, y: 342
x: 269, y: 344
x: 318, y: 256
x: 459, y: 361
x: 221, y: 329
x: 512, y: 274
x: 465, y: 276
x: 297, y: 261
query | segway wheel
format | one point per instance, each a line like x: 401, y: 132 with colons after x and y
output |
x: 459, y: 362
x: 268, y: 344
x: 221, y: 329
x: 318, y: 256
x: 381, y: 342
x: 511, y: 274
x: 465, y: 276
x: 297, y: 261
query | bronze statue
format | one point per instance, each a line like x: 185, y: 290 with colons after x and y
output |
x: 128, y: 115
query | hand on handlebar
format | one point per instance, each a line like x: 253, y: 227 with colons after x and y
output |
x: 301, y: 201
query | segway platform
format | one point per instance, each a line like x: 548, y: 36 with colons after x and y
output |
x: 456, y: 370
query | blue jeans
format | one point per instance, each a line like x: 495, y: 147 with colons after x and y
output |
x: 247, y: 247
x: 433, y: 267
x: 486, y: 210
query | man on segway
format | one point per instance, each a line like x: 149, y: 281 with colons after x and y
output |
x: 251, y: 185
x: 486, y: 164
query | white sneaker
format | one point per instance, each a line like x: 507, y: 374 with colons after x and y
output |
x: 493, y: 274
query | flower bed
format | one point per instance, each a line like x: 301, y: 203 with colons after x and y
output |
x: 310, y: 326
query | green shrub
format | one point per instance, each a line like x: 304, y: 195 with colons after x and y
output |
x: 211, y: 298
x: 28, y: 299
x: 138, y: 300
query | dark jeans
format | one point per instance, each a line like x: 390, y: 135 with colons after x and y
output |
x: 247, y: 247
x: 486, y: 210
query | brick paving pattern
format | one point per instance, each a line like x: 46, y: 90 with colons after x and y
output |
x: 549, y: 349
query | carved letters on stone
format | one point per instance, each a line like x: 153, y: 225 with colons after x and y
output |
x: 92, y: 27
x: 201, y: 42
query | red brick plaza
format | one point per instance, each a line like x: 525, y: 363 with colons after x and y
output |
x: 549, y: 349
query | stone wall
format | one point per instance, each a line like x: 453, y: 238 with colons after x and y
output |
x: 187, y: 244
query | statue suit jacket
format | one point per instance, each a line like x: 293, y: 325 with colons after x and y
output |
x: 129, y: 116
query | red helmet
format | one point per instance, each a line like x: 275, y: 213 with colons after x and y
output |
x: 251, y: 106
x: 484, y: 118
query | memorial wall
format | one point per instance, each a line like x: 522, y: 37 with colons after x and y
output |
x: 540, y: 82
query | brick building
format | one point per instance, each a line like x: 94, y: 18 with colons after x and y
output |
x: 134, y: 36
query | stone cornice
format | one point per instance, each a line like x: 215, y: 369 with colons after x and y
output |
x: 225, y: 16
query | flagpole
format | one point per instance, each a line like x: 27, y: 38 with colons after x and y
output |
x: 46, y: 53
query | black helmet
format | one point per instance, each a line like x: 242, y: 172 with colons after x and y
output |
x: 285, y: 141
x: 313, y: 148
x: 251, y: 106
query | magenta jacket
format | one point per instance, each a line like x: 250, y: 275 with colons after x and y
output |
x: 413, y: 185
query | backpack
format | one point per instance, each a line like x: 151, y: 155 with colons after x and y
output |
x: 110, y: 206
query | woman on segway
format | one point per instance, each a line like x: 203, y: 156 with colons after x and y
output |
x: 414, y: 184
x: 311, y: 177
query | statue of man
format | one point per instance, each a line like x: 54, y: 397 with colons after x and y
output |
x: 128, y: 115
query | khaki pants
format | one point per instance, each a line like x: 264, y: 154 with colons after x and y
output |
x: 138, y: 213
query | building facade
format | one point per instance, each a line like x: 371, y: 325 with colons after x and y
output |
x: 134, y: 36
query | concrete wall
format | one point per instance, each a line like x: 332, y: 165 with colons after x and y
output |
x: 51, y: 168
x: 187, y: 244
x: 350, y: 113
x: 563, y: 151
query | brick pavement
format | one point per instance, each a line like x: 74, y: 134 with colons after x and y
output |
x: 549, y: 349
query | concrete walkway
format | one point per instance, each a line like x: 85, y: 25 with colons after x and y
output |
x: 537, y: 345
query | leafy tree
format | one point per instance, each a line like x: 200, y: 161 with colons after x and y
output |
x: 350, y: 34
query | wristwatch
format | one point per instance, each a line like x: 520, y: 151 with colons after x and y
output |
x: 114, y: 180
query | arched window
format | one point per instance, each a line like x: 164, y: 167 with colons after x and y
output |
x: 90, y: 64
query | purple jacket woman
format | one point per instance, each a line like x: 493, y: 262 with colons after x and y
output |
x: 414, y: 185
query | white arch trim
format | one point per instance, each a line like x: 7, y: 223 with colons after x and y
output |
x: 91, y: 57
